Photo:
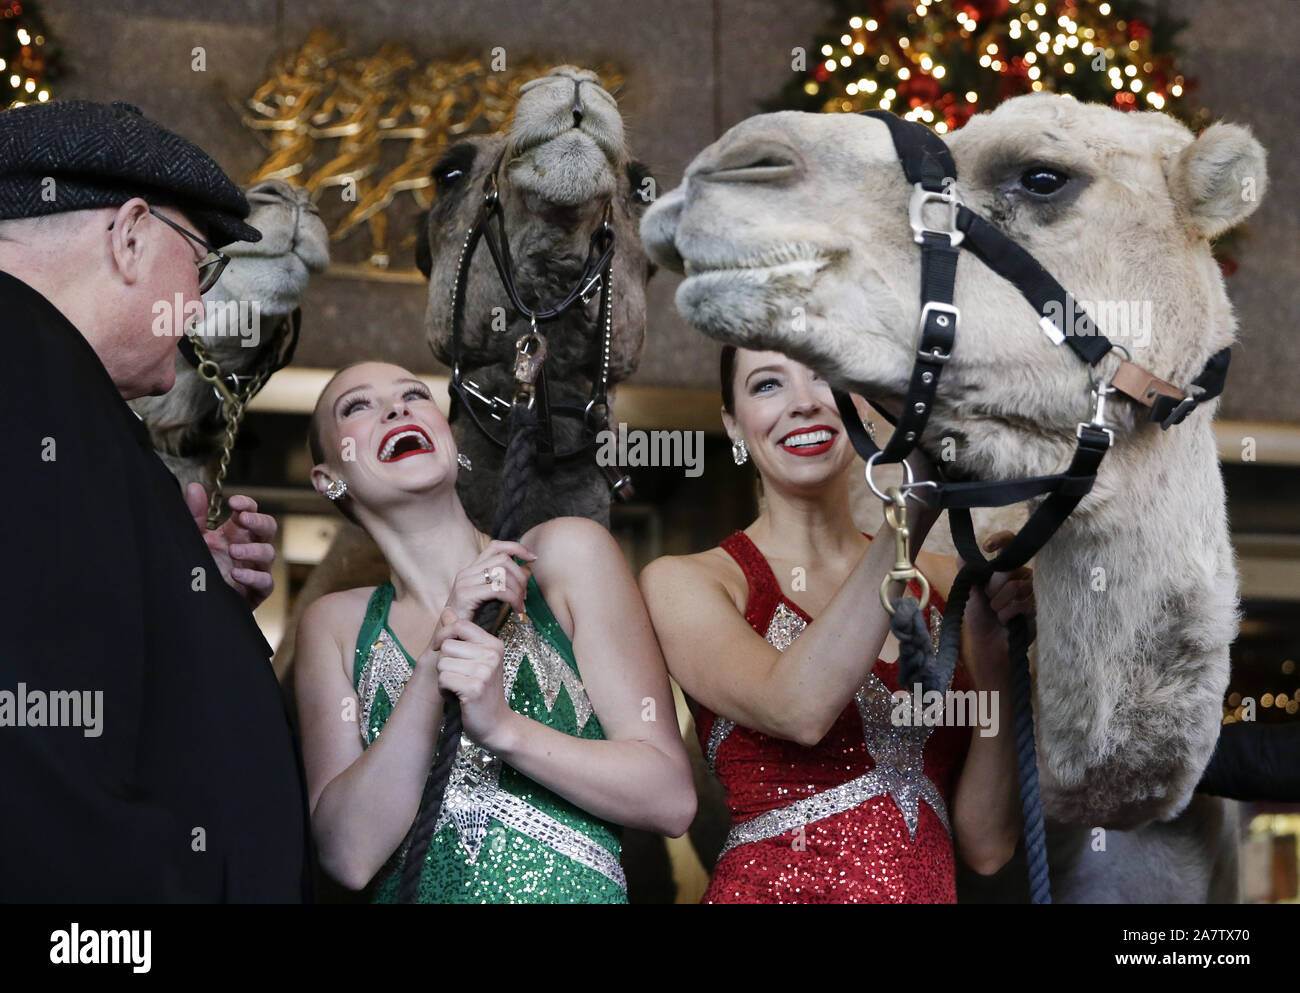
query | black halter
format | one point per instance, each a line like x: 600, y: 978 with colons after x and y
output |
x: 530, y: 372
x: 929, y: 167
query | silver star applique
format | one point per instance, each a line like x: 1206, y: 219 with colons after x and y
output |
x: 899, y: 754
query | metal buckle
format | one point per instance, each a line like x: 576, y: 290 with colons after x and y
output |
x: 1185, y: 406
x: 1094, y: 381
x: 589, y: 290
x: 916, y: 208
x: 1078, y: 432
x: 492, y: 402
x: 943, y: 309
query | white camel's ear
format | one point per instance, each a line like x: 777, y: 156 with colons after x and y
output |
x: 1219, y: 178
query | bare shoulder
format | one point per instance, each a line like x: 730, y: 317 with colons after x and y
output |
x: 573, y: 555
x: 335, y: 617
x: 711, y: 569
x: 338, y: 609
x: 570, y: 537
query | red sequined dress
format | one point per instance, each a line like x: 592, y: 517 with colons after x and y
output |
x: 860, y: 817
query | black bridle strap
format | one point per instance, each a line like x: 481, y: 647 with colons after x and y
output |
x: 597, y: 270
x: 1055, y: 304
x: 926, y: 162
x: 925, y: 158
x: 1046, y: 295
x: 1074, y: 484
x: 599, y: 255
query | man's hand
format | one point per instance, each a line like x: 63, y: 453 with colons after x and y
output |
x: 241, y: 547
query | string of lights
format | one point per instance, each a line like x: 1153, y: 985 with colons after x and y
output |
x: 28, y: 63
x: 941, y: 61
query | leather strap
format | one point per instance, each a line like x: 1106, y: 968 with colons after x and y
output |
x: 1142, y: 385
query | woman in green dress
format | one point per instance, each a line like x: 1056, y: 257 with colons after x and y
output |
x: 569, y: 724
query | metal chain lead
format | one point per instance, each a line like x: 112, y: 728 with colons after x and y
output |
x: 233, y: 405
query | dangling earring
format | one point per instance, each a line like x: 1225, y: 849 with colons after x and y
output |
x: 463, y: 461
x: 739, y: 453
x: 336, y: 489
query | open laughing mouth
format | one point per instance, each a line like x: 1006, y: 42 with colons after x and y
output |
x: 809, y: 441
x: 404, y: 441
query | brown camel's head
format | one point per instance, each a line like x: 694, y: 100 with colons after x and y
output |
x: 792, y: 231
x: 562, y: 161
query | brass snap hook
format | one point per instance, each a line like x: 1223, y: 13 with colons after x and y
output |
x: 903, y: 570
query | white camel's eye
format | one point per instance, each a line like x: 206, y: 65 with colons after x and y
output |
x: 1042, y: 181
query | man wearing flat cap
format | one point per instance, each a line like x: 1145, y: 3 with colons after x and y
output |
x: 145, y: 753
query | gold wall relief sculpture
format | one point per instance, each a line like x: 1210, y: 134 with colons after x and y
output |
x: 359, y: 131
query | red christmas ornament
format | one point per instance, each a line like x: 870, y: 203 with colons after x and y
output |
x: 1126, y: 101
x: 919, y: 89
x: 984, y: 10
x: 821, y: 73
x: 1137, y: 30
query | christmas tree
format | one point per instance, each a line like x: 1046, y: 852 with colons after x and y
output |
x: 940, y: 61
x: 28, y: 61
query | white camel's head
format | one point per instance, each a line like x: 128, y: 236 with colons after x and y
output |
x: 792, y: 230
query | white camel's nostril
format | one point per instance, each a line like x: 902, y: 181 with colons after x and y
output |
x: 759, y: 161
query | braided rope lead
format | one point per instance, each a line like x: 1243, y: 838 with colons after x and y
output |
x: 933, y: 670
x: 516, y: 474
x: 917, y: 661
x: 1031, y: 804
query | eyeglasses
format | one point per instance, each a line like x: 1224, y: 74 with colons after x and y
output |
x: 210, y: 266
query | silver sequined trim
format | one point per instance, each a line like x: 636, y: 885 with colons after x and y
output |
x: 473, y: 799
x: 385, y: 666
x: 899, y: 754
x: 549, y: 667
x: 784, y: 627
x: 717, y: 735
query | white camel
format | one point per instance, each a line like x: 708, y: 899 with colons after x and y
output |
x: 792, y: 215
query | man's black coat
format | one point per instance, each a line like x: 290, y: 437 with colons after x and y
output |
x: 192, y: 790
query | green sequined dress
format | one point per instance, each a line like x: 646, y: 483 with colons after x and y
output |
x: 501, y: 837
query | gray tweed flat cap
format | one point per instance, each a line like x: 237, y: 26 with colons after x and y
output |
x: 102, y: 155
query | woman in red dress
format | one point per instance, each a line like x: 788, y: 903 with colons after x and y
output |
x: 831, y: 799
